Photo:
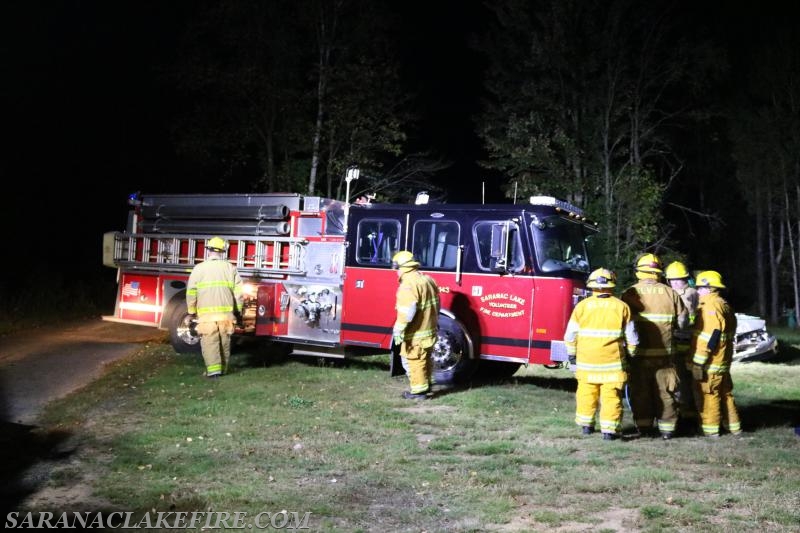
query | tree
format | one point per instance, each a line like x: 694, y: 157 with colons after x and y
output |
x: 765, y: 127
x: 282, y: 95
x: 585, y: 100
x: 239, y: 70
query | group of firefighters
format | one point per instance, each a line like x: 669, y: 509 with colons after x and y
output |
x: 666, y: 348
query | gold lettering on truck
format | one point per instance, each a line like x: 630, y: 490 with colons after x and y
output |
x: 502, y: 305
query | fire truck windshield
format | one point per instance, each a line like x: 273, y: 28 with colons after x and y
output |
x: 561, y: 244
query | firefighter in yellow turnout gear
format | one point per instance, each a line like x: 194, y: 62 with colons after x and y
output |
x: 653, y: 379
x: 599, y: 336
x: 215, y: 294
x: 712, y: 354
x: 677, y: 276
x: 415, y: 328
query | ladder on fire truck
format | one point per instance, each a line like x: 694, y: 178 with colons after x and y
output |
x: 257, y: 255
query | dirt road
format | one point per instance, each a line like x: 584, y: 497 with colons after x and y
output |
x: 41, y: 365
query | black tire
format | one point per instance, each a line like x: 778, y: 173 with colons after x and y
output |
x: 181, y: 335
x: 454, y: 353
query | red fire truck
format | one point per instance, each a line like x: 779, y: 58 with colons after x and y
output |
x: 319, y: 280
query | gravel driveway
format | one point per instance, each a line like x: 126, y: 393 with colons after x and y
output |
x: 44, y: 364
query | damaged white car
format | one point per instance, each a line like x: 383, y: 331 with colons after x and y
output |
x: 753, y: 342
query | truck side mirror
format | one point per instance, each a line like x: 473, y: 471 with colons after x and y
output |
x: 499, y: 247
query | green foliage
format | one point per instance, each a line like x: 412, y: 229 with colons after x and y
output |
x: 577, y: 98
x: 639, y: 201
x: 297, y: 402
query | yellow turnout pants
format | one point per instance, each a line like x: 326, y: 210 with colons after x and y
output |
x: 609, y: 396
x: 215, y: 342
x: 716, y: 404
x: 654, y: 388
x: 420, y: 367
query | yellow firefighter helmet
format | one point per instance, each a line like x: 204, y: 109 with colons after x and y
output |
x: 602, y: 278
x: 676, y: 270
x: 709, y: 278
x: 404, y: 260
x: 217, y: 244
x: 649, y: 263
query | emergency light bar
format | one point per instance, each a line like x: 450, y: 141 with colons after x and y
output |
x: 558, y: 204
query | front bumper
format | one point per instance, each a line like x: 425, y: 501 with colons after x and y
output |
x: 753, y: 342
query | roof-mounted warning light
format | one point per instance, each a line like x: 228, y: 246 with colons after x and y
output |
x: 560, y: 205
x: 134, y: 198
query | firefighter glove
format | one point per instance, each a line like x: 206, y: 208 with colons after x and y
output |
x: 697, y: 372
x: 398, y: 337
x: 573, y: 360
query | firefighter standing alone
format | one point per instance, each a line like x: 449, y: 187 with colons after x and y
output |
x: 415, y: 328
x: 214, y: 293
x: 599, y: 336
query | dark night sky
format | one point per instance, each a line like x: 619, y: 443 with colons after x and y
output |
x: 448, y: 76
x: 85, y: 122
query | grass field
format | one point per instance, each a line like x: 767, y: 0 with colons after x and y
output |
x: 337, y: 441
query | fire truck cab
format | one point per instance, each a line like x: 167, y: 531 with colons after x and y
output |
x: 320, y: 281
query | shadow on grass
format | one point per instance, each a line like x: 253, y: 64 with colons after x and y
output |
x: 775, y: 413
x: 258, y: 353
x: 754, y: 416
x: 778, y: 413
x: 25, y: 451
x: 787, y: 355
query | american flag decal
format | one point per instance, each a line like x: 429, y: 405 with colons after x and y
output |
x: 131, y: 289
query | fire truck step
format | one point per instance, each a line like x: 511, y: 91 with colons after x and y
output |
x: 319, y: 351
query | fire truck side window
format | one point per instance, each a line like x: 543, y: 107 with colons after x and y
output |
x: 436, y: 243
x: 560, y: 245
x: 498, y: 242
x: 377, y: 241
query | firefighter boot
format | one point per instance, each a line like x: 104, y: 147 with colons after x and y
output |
x: 411, y: 396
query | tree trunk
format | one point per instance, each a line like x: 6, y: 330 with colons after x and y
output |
x: 312, y: 177
x: 795, y: 273
x: 325, y: 37
x: 792, y: 247
x: 761, y: 282
x: 775, y: 255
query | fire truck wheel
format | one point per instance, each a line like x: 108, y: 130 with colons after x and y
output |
x: 181, y: 332
x: 453, y: 354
